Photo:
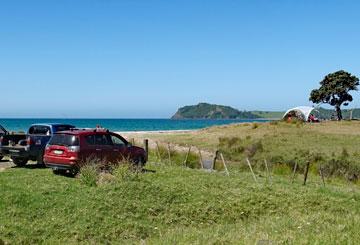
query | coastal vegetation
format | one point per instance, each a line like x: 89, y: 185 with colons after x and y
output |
x: 171, y: 203
x: 207, y: 111
x: 175, y: 205
x: 334, y: 90
x: 330, y: 145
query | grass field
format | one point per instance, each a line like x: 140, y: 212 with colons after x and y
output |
x: 176, y: 205
x: 331, y: 144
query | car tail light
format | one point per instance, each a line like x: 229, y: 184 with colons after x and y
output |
x: 29, y: 141
x: 47, y: 147
x: 74, y: 148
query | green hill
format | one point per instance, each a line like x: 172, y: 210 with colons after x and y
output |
x: 211, y: 111
x: 269, y: 114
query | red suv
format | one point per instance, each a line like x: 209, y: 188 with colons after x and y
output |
x: 68, y: 148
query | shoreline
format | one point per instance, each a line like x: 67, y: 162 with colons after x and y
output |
x: 170, y: 131
x: 157, y: 131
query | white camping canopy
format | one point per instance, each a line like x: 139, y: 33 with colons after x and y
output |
x: 302, y: 112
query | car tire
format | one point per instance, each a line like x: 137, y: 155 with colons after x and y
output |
x: 20, y: 162
x: 138, y: 163
x: 59, y: 171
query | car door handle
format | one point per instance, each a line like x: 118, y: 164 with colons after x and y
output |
x: 116, y: 150
x: 98, y: 149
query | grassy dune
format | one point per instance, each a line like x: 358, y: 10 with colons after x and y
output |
x: 327, y: 136
x: 333, y: 145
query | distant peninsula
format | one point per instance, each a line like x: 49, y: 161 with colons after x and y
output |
x: 212, y: 111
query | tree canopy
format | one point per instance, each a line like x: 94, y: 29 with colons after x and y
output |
x: 334, y: 90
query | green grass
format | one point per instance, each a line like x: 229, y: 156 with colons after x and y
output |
x: 282, y: 142
x: 175, y: 205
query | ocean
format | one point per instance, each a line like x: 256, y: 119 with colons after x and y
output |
x: 122, y: 124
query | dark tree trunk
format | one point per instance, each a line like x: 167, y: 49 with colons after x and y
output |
x: 338, y: 112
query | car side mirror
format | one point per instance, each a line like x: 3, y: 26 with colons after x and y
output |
x: 129, y: 144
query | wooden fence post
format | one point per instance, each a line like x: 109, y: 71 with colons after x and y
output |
x: 306, y: 171
x: 294, y: 173
x: 215, y: 158
x: 169, y: 153
x: 322, y: 175
x: 158, y: 151
x: 132, y: 141
x: 267, y: 170
x: 249, y: 164
x: 201, y: 161
x: 187, y: 156
x: 223, y: 160
x: 146, y: 146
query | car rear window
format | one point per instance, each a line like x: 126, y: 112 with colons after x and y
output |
x: 64, y: 139
x: 40, y: 130
x: 62, y: 128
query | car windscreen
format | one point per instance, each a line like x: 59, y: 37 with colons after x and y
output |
x: 64, y: 140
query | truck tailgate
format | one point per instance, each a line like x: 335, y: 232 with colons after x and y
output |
x: 14, y: 151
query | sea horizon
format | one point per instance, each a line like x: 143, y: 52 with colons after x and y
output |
x: 125, y: 124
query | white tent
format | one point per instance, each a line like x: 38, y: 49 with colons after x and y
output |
x: 302, y: 112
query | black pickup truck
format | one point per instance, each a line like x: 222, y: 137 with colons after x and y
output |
x: 24, y: 147
x: 9, y: 137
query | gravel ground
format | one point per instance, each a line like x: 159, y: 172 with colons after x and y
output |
x: 4, y: 164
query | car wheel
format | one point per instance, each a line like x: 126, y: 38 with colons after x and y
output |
x: 138, y: 163
x: 59, y: 171
x: 20, y: 162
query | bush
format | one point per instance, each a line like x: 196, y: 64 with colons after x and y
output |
x: 177, y: 157
x: 94, y: 171
x: 89, y: 175
x: 236, y: 149
x: 124, y: 172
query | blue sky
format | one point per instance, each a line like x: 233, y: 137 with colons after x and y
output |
x: 144, y: 59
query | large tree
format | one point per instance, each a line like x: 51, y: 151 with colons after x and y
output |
x: 334, y: 90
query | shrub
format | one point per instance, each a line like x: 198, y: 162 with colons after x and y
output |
x: 281, y: 169
x: 124, y: 172
x: 274, y: 123
x: 253, y: 148
x: 94, y: 171
x: 89, y: 175
x: 105, y: 178
x: 177, y: 157
x: 235, y: 148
